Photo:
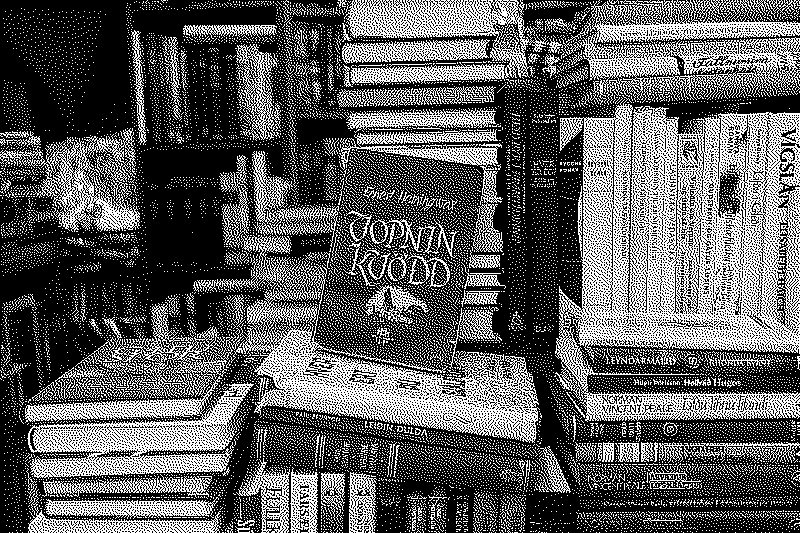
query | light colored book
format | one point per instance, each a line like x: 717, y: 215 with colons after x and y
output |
x: 362, y: 506
x: 133, y: 508
x: 276, y: 499
x: 229, y: 33
x: 468, y: 117
x: 43, y: 524
x: 304, y: 507
x: 214, y: 431
x: 621, y: 209
x: 72, y: 488
x: 488, y: 402
x: 640, y: 148
x: 669, y: 216
x: 415, y: 51
x: 410, y: 137
x: 424, y: 73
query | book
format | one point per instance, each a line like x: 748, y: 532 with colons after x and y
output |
x: 669, y: 221
x: 332, y: 502
x: 43, y: 524
x: 229, y: 33
x: 641, y: 154
x: 690, y: 168
x: 215, y: 431
x: 622, y: 12
x: 275, y: 499
x: 163, y: 507
x: 485, y: 512
x: 511, y: 516
x: 304, y: 492
x: 129, y: 379
x: 759, y: 503
x: 421, y: 137
x: 494, y: 389
x: 361, y: 503
x: 722, y: 520
x: 112, y: 486
x: 390, y: 19
x: 390, y: 505
x: 654, y: 175
x: 416, y: 512
x: 416, y: 51
x: 460, y: 510
x: 131, y: 463
x: 621, y: 207
x: 391, y: 459
x: 390, y: 205
x: 569, y: 181
x: 446, y: 118
x: 424, y: 73
x: 438, y: 502
x: 248, y: 500
x: 601, y: 34
x: 415, y: 96
x: 660, y: 452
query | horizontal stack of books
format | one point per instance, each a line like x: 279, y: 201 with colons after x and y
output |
x: 143, y: 434
x: 386, y: 448
x: 698, y: 216
x: 674, y: 51
x: 21, y: 158
x: 681, y: 419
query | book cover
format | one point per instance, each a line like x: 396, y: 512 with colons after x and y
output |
x: 399, y: 258
x: 128, y: 379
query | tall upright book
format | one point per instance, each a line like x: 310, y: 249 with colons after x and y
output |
x: 399, y: 258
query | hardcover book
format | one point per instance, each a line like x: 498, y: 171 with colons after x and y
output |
x: 399, y: 259
x: 135, y: 379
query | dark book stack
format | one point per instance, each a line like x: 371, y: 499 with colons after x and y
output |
x: 347, y: 444
x: 677, y: 52
x: 142, y: 434
x: 21, y: 159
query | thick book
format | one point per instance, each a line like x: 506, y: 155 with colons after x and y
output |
x: 416, y: 51
x: 444, y: 118
x: 381, y: 97
x: 215, y: 431
x: 164, y: 507
x: 43, y: 524
x: 392, y: 459
x: 688, y: 453
x: 405, y: 19
x: 424, y: 73
x: 130, y: 379
x: 482, y: 395
x: 115, y: 486
x: 399, y: 258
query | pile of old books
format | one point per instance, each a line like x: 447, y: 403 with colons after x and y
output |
x: 676, y: 51
x: 358, y: 445
x: 686, y: 420
x: 142, y: 435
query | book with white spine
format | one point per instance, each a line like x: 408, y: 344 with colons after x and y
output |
x: 361, y: 491
x: 669, y: 219
x: 631, y: 33
x: 654, y: 165
x: 623, y: 117
x: 415, y: 51
x: 424, y: 73
x: 303, y: 502
x: 493, y: 396
x: 753, y: 214
x: 213, y: 432
x: 371, y: 138
x: 468, y: 117
x: 690, y: 175
x: 111, y: 486
x: 162, y: 508
x: 43, y: 524
x: 640, y: 147
x: 793, y: 264
x: 275, y: 499
x: 596, y: 205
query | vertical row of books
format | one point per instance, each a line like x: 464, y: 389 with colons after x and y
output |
x: 143, y: 434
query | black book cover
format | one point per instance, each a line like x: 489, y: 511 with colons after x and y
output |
x: 570, y: 163
x: 399, y: 259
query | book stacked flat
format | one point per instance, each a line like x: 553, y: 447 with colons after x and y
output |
x: 391, y: 449
x: 690, y: 419
x: 142, y: 435
x: 21, y: 158
x: 669, y: 52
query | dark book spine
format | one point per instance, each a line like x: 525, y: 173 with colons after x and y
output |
x: 228, y: 93
x: 361, y: 504
x: 197, y: 88
x: 715, y: 503
x: 400, y: 432
x: 636, y: 360
x: 438, y: 503
x: 485, y: 507
x: 717, y: 521
x: 341, y: 452
x: 460, y: 511
x: 248, y: 513
x: 568, y: 175
x: 637, y: 480
x: 416, y: 512
x: 391, y: 510
x: 661, y: 452
x: 511, y: 518
x: 689, y: 383
x: 154, y: 85
x: 332, y: 502
x: 214, y: 91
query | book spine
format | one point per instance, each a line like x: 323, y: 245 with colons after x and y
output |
x: 404, y: 432
x: 695, y: 406
x: 597, y: 207
x: 485, y: 508
x: 699, y: 31
x: 438, y: 503
x: 570, y: 165
x: 728, y: 520
x: 690, y: 12
x: 690, y: 383
x: 390, y: 506
x: 759, y: 503
x: 460, y: 511
x: 511, y: 515
x: 332, y: 506
x: 304, y: 505
x: 275, y: 500
x: 339, y: 452
x: 361, y: 505
x: 688, y: 480
x: 416, y: 51
x: 447, y: 118
x: 793, y: 264
x: 410, y: 74
x: 416, y: 513
x: 690, y: 168
x: 788, y: 183
x: 655, y: 178
x: 728, y: 220
x: 669, y: 228
x: 710, y: 207
x: 679, y: 453
x: 174, y: 118
x: 249, y: 509
x: 620, y: 283
x: 640, y: 135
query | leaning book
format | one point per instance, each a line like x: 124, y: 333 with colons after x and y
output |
x: 135, y: 379
x: 399, y: 258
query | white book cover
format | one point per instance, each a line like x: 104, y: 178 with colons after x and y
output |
x: 623, y: 117
x: 415, y: 51
x: 460, y: 136
x: 43, y: 524
x: 690, y: 175
x: 597, y: 221
x: 728, y: 228
x: 213, y: 432
x: 669, y: 216
x: 655, y: 176
x: 640, y: 148
x: 112, y: 486
x: 275, y: 499
x: 490, y: 395
x: 753, y: 214
x: 304, y: 489
x: 163, y: 508
x: 424, y: 73
x: 448, y: 118
x: 793, y: 264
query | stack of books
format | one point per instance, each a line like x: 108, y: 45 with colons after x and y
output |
x: 687, y: 216
x: 677, y: 51
x: 143, y: 434
x: 21, y: 158
x: 681, y: 419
